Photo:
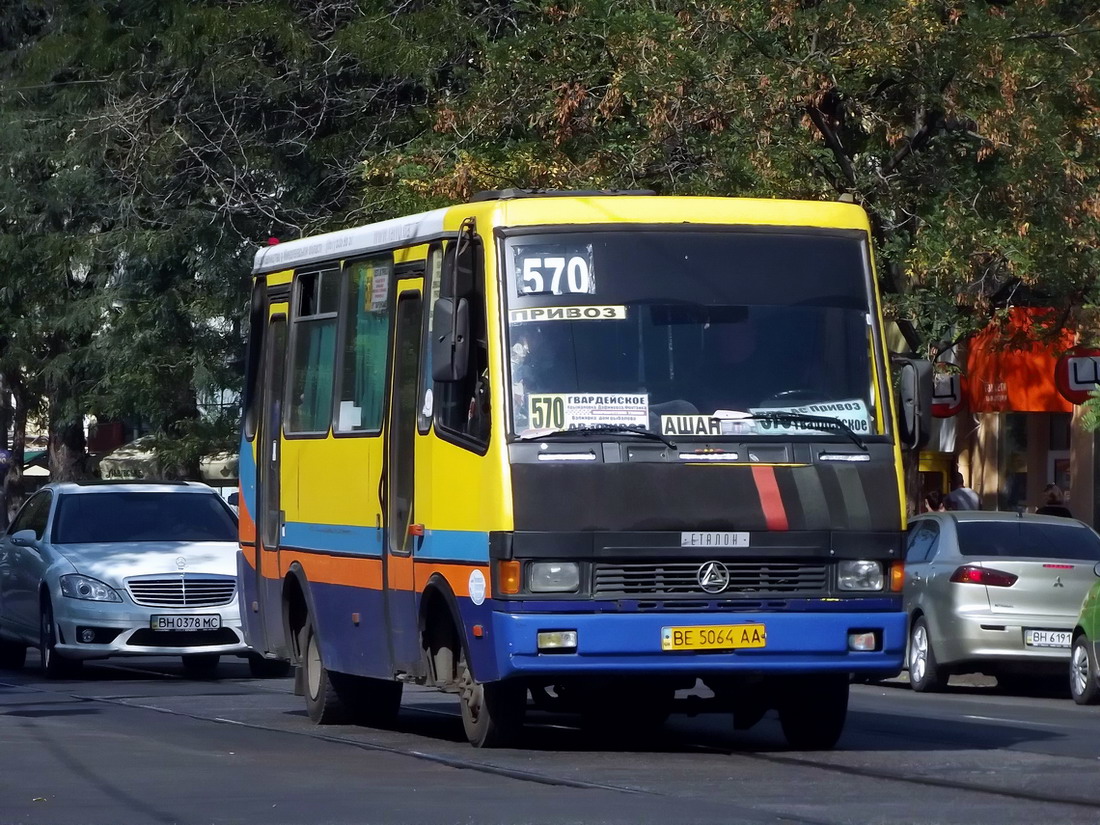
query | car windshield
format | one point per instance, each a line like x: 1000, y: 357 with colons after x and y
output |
x: 1021, y: 539
x: 704, y: 333
x: 142, y: 516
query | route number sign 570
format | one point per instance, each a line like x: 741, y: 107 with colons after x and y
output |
x: 547, y: 412
x: 554, y: 272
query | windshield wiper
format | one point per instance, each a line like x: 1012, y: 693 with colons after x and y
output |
x: 602, y: 430
x: 824, y: 421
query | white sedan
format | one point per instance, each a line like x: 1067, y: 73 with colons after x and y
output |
x: 92, y: 570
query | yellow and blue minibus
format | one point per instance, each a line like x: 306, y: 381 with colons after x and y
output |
x: 576, y: 451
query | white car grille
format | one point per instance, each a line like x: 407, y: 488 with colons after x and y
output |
x: 183, y: 590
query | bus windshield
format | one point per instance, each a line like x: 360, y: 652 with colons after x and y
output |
x: 690, y: 332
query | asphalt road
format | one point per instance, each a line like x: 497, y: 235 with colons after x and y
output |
x: 135, y: 741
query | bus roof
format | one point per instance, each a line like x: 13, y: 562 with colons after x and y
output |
x: 411, y: 230
x: 559, y: 208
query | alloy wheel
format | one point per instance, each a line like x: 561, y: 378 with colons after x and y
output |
x: 1079, y: 669
x: 918, y: 653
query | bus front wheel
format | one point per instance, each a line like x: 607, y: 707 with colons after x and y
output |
x: 812, y: 710
x: 492, y: 712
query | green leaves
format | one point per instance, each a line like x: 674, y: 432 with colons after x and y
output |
x: 147, y: 148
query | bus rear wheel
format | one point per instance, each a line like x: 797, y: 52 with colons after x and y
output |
x: 492, y: 712
x: 322, y: 701
x: 339, y: 698
x: 812, y: 710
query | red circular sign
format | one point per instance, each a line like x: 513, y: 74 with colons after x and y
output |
x: 947, y: 394
x: 1077, y: 374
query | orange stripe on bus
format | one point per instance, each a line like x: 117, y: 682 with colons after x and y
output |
x: 247, y: 526
x: 771, y: 502
x: 350, y: 572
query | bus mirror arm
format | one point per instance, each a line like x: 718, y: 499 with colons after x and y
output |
x: 450, y: 339
x: 915, y: 402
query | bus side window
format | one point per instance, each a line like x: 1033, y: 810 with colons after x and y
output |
x: 364, y: 349
x: 426, y: 410
x: 309, y: 405
x: 462, y: 407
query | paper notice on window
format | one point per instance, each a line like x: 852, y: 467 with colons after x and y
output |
x: 571, y: 411
x: 379, y: 287
x: 852, y: 412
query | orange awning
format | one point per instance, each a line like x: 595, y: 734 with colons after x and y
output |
x: 1009, y: 371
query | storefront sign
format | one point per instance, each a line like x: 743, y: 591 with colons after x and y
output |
x: 1010, y: 367
x: 947, y: 394
x: 1077, y: 374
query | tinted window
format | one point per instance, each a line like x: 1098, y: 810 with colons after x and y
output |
x: 651, y: 328
x: 310, y: 403
x: 128, y: 516
x: 1025, y: 540
x: 463, y: 406
x: 365, y: 346
x: 922, y: 541
x: 33, y: 516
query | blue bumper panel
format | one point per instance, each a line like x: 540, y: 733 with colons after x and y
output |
x: 631, y: 643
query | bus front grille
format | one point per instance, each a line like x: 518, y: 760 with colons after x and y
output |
x: 619, y: 579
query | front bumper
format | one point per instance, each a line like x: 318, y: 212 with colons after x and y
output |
x: 631, y: 643
x: 125, y: 630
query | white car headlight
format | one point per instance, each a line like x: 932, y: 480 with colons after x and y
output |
x: 553, y: 577
x: 76, y: 586
x: 859, y: 575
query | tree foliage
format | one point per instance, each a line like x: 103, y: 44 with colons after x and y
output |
x: 148, y: 147
x: 968, y: 129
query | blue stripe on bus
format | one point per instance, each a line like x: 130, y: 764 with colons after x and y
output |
x: 246, y: 474
x: 467, y: 546
x: 454, y: 545
x: 333, y: 538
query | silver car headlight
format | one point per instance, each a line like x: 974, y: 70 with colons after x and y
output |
x: 859, y: 575
x: 553, y: 577
x: 76, y: 586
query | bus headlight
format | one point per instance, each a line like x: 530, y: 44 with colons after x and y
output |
x: 859, y: 575
x: 553, y: 577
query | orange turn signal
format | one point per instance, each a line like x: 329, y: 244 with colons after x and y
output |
x: 897, y: 576
x: 508, y: 576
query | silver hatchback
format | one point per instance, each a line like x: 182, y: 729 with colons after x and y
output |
x: 994, y: 592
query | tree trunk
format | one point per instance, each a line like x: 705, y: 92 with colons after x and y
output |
x: 68, y: 451
x: 13, y: 493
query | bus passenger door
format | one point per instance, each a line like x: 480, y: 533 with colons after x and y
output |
x: 270, y: 516
x: 401, y: 419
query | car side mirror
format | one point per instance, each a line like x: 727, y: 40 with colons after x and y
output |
x: 450, y: 339
x: 1096, y: 568
x: 24, y: 538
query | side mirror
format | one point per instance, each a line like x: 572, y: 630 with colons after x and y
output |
x: 915, y: 403
x: 450, y: 339
x: 24, y: 538
x: 1096, y: 568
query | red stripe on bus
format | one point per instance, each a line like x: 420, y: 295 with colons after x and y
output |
x: 771, y: 502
